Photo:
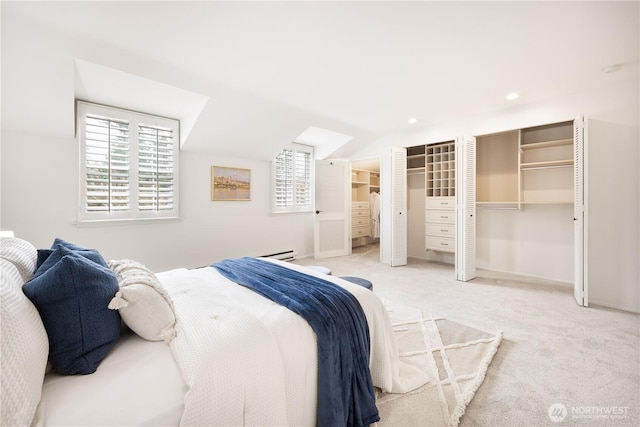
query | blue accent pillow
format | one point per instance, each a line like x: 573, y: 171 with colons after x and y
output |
x: 43, y: 254
x: 47, y: 258
x: 72, y: 298
x: 60, y: 242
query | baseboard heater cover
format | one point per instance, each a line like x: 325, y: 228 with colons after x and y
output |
x: 289, y: 255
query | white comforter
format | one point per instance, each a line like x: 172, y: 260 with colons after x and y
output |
x: 249, y: 361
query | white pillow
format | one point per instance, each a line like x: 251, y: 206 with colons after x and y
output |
x: 25, y: 347
x: 144, y: 305
x: 20, y: 253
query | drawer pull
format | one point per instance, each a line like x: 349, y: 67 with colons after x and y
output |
x: 444, y: 216
x: 444, y: 230
x: 444, y: 203
x: 444, y: 244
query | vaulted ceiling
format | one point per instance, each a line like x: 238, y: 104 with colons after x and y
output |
x: 270, y: 70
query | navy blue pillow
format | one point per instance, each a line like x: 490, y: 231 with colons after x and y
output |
x: 60, y: 242
x: 43, y: 254
x: 59, y: 249
x: 72, y: 298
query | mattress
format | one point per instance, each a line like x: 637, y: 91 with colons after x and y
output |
x: 139, y: 383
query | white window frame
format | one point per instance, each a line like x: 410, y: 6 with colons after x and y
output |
x: 296, y: 148
x: 134, y: 213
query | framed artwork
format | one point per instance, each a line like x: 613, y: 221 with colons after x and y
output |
x: 229, y: 184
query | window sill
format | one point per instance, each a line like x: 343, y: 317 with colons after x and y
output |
x: 128, y: 221
x: 292, y: 212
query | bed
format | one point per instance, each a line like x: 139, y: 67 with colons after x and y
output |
x: 192, y: 347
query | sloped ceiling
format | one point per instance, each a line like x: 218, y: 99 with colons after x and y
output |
x: 271, y: 70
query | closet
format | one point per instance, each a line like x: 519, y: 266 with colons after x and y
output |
x: 431, y: 172
x: 510, y: 202
x: 526, y: 166
x: 365, y: 203
x: 526, y: 181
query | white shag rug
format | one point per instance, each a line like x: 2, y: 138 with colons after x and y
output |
x: 456, y: 358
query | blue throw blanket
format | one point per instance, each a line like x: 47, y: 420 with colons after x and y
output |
x: 345, y: 389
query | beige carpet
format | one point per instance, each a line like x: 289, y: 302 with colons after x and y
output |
x: 455, y: 358
x: 587, y: 359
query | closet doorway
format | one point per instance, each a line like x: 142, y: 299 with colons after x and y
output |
x: 365, y: 205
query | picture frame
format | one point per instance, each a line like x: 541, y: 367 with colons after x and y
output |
x: 230, y: 184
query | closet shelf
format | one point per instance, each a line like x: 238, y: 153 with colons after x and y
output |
x: 497, y: 205
x: 547, y: 202
x: 546, y: 144
x: 547, y: 164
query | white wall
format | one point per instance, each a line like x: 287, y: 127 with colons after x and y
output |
x: 39, y: 162
x: 613, y: 244
x: 415, y: 216
x: 39, y: 199
x: 536, y: 241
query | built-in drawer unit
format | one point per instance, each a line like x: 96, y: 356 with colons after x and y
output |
x: 360, y: 219
x: 360, y: 231
x: 441, y: 244
x: 444, y: 230
x: 441, y: 203
x: 360, y: 210
x: 440, y: 222
x: 440, y: 216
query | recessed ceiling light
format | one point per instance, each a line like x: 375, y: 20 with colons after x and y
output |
x: 512, y: 96
x: 413, y: 120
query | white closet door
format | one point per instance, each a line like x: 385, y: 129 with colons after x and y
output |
x: 332, y: 220
x: 465, y: 259
x: 398, y: 207
x: 579, y: 215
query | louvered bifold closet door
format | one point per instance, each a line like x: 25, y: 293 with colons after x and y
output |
x: 107, y: 164
x: 465, y: 258
x: 579, y: 217
x: 398, y: 206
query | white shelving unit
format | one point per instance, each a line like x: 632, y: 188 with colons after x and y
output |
x: 525, y: 166
x: 440, y: 191
x: 416, y: 159
x: 360, y: 217
x: 441, y: 169
x: 546, y: 164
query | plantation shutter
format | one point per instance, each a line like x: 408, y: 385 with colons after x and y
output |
x: 128, y: 164
x: 107, y: 164
x: 303, y: 179
x: 155, y: 168
x: 293, y: 179
x: 284, y: 179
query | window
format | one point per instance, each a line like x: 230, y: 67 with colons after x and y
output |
x: 293, y: 179
x: 128, y: 164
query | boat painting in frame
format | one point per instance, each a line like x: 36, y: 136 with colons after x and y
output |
x: 229, y: 184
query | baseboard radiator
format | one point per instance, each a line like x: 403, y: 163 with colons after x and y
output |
x: 289, y: 255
